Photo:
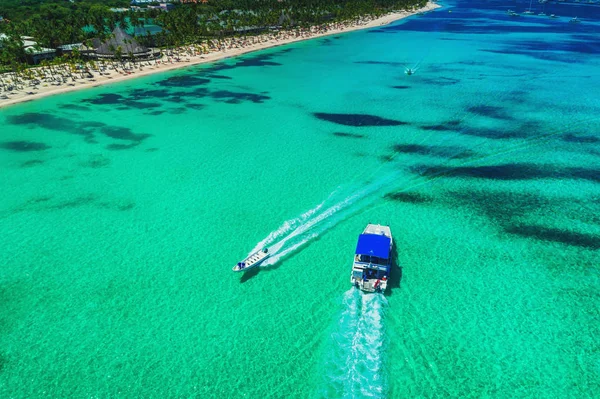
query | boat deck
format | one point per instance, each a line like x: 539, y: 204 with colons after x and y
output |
x: 253, y: 260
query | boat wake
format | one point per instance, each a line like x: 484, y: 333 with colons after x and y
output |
x: 355, y: 365
x: 295, y: 233
x: 287, y: 226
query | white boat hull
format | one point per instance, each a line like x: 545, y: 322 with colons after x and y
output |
x: 252, y: 261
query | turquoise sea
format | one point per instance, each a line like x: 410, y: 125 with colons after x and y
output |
x: 124, y: 208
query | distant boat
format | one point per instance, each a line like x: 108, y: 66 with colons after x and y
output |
x: 575, y: 20
x: 542, y: 14
x: 252, y: 260
x: 554, y: 16
x: 409, y: 71
x: 372, y: 259
x: 529, y: 12
x: 511, y: 13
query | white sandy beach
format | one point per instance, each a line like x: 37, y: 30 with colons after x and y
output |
x: 236, y: 47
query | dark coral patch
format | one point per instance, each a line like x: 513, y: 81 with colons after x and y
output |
x: 412, y: 198
x: 436, y: 151
x: 349, y: 135
x: 357, y: 119
x: 75, y: 202
x: 200, y: 92
x: 447, y: 126
x: 556, y: 235
x: 232, y: 97
x: 122, y: 146
x: 37, y: 200
x: 123, y: 133
x: 401, y: 87
x: 51, y: 122
x: 23, y: 146
x: 441, y: 81
x: 256, y: 61
x: 490, y: 112
x: 511, y: 171
x: 571, y: 138
x: 139, y: 104
x: 74, y: 107
x: 177, y: 111
x: 33, y: 162
x: 217, y: 76
x: 105, y: 99
x: 183, y: 81
x: 501, y: 207
x: 525, y: 130
x: 95, y: 162
x: 140, y: 94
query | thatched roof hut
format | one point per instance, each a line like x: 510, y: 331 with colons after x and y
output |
x: 121, y: 42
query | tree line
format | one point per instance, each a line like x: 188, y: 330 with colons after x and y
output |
x: 56, y: 22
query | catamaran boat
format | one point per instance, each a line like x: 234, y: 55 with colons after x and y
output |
x: 373, y: 259
x: 252, y: 260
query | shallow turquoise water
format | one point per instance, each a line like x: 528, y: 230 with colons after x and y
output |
x: 125, y: 207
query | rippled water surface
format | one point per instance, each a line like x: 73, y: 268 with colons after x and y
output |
x: 124, y: 208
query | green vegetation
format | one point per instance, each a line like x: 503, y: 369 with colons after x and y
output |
x: 55, y: 22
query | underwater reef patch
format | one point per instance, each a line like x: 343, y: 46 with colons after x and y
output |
x: 490, y: 111
x: 571, y: 138
x: 451, y: 125
x: 23, y: 146
x: 562, y: 236
x: 349, y: 135
x: 511, y: 171
x: 357, y: 119
x: 31, y: 163
x: 434, y: 150
x: 412, y: 198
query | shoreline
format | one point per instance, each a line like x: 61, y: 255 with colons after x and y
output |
x: 25, y: 95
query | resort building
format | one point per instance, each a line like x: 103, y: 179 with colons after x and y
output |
x: 33, y: 52
x: 120, y: 45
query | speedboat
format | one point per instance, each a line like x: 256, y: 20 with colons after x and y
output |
x: 511, y: 13
x: 409, y: 71
x: 553, y: 16
x: 252, y: 260
x: 373, y: 259
x: 575, y: 20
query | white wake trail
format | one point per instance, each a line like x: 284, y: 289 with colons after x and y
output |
x: 275, y: 258
x: 285, y: 227
x: 364, y: 364
x: 355, y: 366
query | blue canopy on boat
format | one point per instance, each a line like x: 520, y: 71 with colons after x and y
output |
x: 373, y: 245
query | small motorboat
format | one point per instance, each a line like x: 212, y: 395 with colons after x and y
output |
x: 252, y: 260
x: 575, y: 20
x: 409, y: 71
x: 553, y: 16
